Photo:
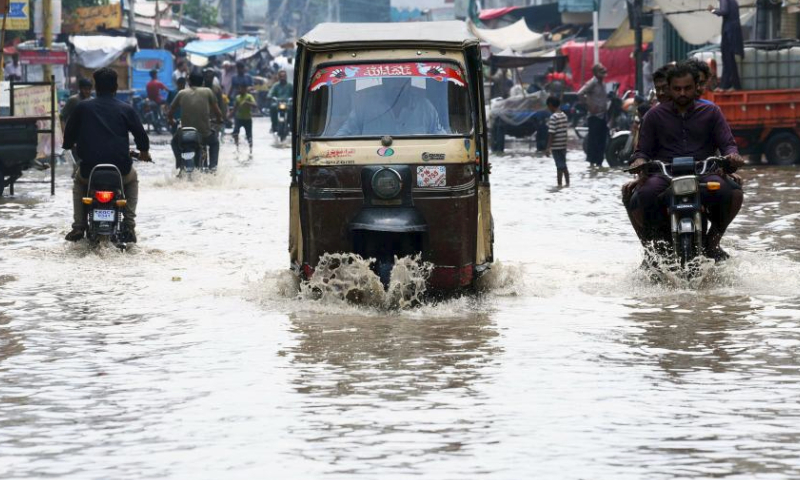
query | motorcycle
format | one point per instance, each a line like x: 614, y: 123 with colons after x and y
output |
x: 105, y: 205
x: 150, y: 114
x: 193, y: 152
x: 283, y: 126
x: 687, y: 217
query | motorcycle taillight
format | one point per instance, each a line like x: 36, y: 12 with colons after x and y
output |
x: 104, y: 197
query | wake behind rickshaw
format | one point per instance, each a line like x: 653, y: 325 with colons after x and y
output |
x: 389, y: 150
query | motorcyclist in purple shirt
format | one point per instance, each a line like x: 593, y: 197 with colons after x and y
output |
x: 683, y: 127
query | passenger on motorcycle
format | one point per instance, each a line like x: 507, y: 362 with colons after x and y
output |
x: 683, y: 127
x: 282, y: 90
x: 196, y: 104
x: 100, y: 129
x: 660, y: 86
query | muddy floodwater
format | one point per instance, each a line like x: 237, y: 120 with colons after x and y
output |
x: 193, y: 357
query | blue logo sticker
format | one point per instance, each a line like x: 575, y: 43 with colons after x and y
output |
x: 467, y: 144
x: 385, y: 152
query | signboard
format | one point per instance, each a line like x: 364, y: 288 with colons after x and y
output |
x: 34, y: 101
x: 18, y: 15
x: 43, y: 57
x: 92, y: 19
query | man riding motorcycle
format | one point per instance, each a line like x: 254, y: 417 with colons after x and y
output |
x: 282, y: 90
x: 100, y: 129
x: 683, y: 127
x: 196, y: 104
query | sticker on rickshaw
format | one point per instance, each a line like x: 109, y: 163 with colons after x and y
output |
x: 339, y: 153
x: 441, y: 72
x: 431, y: 176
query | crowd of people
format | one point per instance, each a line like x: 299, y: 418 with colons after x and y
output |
x: 204, y: 99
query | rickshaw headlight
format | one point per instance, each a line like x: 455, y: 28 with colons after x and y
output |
x: 684, y: 186
x: 387, y: 183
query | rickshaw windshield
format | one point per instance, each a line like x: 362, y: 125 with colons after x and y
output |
x: 396, y: 99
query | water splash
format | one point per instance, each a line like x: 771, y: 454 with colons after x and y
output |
x: 348, y: 278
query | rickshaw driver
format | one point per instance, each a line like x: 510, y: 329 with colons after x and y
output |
x: 402, y: 112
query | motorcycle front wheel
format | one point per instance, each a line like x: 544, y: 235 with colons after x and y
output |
x: 687, y: 251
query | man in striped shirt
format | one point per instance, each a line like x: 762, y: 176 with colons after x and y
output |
x: 557, y: 141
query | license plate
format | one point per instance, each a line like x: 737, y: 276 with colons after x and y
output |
x: 103, y: 216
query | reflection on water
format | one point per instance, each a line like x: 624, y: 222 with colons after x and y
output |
x: 193, y: 356
x: 395, y: 390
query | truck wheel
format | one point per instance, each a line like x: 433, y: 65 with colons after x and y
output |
x: 783, y: 149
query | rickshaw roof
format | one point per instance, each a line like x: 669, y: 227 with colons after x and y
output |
x: 404, y: 34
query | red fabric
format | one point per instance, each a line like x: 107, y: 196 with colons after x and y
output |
x: 553, y: 76
x: 492, y: 13
x: 618, y: 61
x: 154, y: 88
x: 212, y: 36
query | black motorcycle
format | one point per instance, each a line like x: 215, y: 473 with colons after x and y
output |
x: 283, y: 125
x: 193, y: 152
x: 105, y: 204
x: 687, y: 217
x: 150, y: 114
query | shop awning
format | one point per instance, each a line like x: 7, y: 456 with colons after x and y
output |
x: 695, y: 24
x: 97, y: 51
x: 623, y: 36
x: 510, y: 59
x: 210, y: 48
x: 517, y: 37
x: 492, y: 13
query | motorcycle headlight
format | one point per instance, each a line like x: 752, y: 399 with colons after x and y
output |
x: 282, y: 106
x: 187, y: 155
x: 684, y: 185
x: 387, y: 183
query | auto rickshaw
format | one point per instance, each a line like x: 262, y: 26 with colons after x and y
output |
x: 389, y: 150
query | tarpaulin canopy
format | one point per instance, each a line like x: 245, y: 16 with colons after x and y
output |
x: 517, y: 37
x: 624, y: 36
x: 694, y: 23
x: 539, y: 18
x: 492, y: 13
x: 210, y: 48
x: 510, y: 59
x: 97, y: 51
x: 618, y: 61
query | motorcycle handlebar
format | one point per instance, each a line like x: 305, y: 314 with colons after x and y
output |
x: 656, y: 165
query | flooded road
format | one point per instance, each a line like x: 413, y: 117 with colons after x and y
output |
x: 190, y: 357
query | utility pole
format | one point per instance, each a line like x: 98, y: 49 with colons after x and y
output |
x: 131, y: 16
x: 5, y: 8
x: 637, y: 47
x: 156, y: 25
x: 47, y: 31
x: 596, y: 31
x: 234, y: 17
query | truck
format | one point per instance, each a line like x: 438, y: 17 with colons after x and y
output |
x: 765, y: 115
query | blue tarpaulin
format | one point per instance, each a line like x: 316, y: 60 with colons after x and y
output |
x: 208, y: 48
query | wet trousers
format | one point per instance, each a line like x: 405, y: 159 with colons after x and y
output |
x: 596, y: 140
x: 212, y: 140
x: 647, y: 207
x: 730, y: 70
x: 130, y: 183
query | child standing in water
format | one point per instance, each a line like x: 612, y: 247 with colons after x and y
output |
x: 243, y: 115
x: 557, y: 141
